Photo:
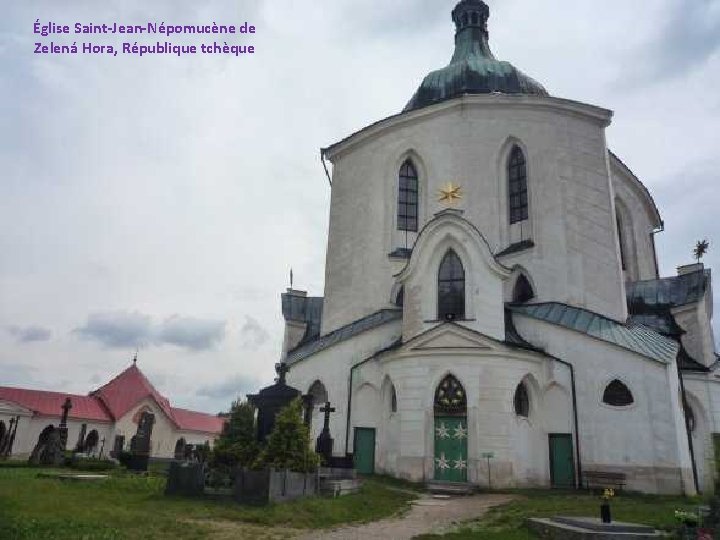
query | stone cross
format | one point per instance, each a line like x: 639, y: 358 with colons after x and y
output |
x: 66, y: 410
x: 281, y: 369
x: 327, y: 409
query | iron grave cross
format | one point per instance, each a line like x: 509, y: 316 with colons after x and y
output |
x: 327, y: 409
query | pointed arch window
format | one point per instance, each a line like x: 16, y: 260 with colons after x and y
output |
x: 393, y: 399
x: 617, y: 394
x: 451, y: 287
x: 621, y: 241
x: 523, y: 291
x: 522, y: 401
x: 450, y: 396
x: 517, y: 186
x: 407, y: 217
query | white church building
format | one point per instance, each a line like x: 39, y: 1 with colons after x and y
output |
x: 493, y: 310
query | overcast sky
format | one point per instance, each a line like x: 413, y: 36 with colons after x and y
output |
x: 160, y: 202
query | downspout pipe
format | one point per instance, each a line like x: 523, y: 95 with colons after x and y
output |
x: 327, y: 173
x: 687, y: 429
x: 575, y: 419
x: 349, y: 400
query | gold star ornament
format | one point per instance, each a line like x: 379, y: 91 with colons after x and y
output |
x: 450, y: 194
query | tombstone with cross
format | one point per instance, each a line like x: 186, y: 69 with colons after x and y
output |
x: 272, y: 399
x: 324, y: 444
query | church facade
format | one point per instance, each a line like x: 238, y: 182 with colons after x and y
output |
x: 493, y: 312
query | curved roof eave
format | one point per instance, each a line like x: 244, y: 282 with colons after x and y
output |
x: 640, y: 188
x: 576, y: 108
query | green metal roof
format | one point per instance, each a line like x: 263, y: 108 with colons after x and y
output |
x: 631, y: 336
x: 473, y: 69
x: 667, y: 292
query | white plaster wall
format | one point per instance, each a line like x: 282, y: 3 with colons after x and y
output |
x: 646, y: 440
x: 703, y: 391
x: 639, y: 221
x: 575, y: 259
x: 696, y: 320
x: 30, y: 428
x: 332, y: 367
x: 164, y: 435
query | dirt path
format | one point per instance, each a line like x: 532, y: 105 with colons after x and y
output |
x: 427, y: 515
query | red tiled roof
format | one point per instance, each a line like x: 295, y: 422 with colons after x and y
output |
x: 125, y: 391
x: 50, y: 403
x: 197, y: 421
x: 111, y: 402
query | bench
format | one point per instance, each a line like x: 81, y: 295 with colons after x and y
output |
x: 604, y: 479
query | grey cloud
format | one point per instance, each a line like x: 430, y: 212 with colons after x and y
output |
x: 117, y: 330
x: 230, y: 388
x: 689, y: 35
x: 191, y: 333
x: 126, y: 330
x: 29, y: 334
x: 253, y: 334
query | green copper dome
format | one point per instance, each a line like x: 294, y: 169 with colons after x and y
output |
x: 473, y: 69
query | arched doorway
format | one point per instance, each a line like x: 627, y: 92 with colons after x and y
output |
x: 450, y: 455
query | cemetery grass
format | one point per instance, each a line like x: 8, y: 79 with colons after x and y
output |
x: 507, y: 522
x: 126, y: 506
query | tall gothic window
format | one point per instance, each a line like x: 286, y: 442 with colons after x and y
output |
x: 408, y: 198
x: 523, y: 291
x: 617, y: 394
x: 450, y: 396
x: 621, y: 241
x: 522, y: 401
x: 451, y: 287
x: 517, y: 184
x: 393, y: 399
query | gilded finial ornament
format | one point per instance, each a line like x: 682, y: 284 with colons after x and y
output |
x: 450, y: 193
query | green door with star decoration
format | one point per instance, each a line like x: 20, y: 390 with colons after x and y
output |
x: 451, y: 448
x: 450, y: 431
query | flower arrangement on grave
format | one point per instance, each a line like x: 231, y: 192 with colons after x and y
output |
x: 606, y: 497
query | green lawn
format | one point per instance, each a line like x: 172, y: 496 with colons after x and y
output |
x: 507, y: 522
x: 134, y: 507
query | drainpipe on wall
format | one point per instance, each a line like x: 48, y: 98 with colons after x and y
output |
x: 322, y: 159
x: 687, y: 429
x: 349, y: 400
x: 578, y: 484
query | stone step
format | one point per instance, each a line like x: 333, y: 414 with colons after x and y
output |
x: 337, y: 488
x: 450, y: 488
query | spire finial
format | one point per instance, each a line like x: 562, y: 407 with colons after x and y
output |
x: 135, y: 357
x: 471, y: 14
x: 291, y: 278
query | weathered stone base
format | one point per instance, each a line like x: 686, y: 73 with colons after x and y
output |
x: 567, y: 528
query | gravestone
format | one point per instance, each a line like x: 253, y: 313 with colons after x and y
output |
x: 50, y: 448
x: 140, y: 443
x: 324, y: 444
x: 7, y: 444
x: 80, y: 446
x: 272, y: 399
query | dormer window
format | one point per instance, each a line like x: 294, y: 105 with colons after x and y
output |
x: 451, y: 288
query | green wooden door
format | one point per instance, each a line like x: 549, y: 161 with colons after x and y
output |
x: 364, y: 450
x: 451, y: 448
x: 562, y: 464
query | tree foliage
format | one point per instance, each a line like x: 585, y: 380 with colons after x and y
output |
x: 237, y: 444
x: 288, y: 446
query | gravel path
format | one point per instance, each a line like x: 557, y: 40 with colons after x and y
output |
x: 427, y: 515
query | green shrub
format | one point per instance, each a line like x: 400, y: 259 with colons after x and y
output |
x: 288, y: 446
